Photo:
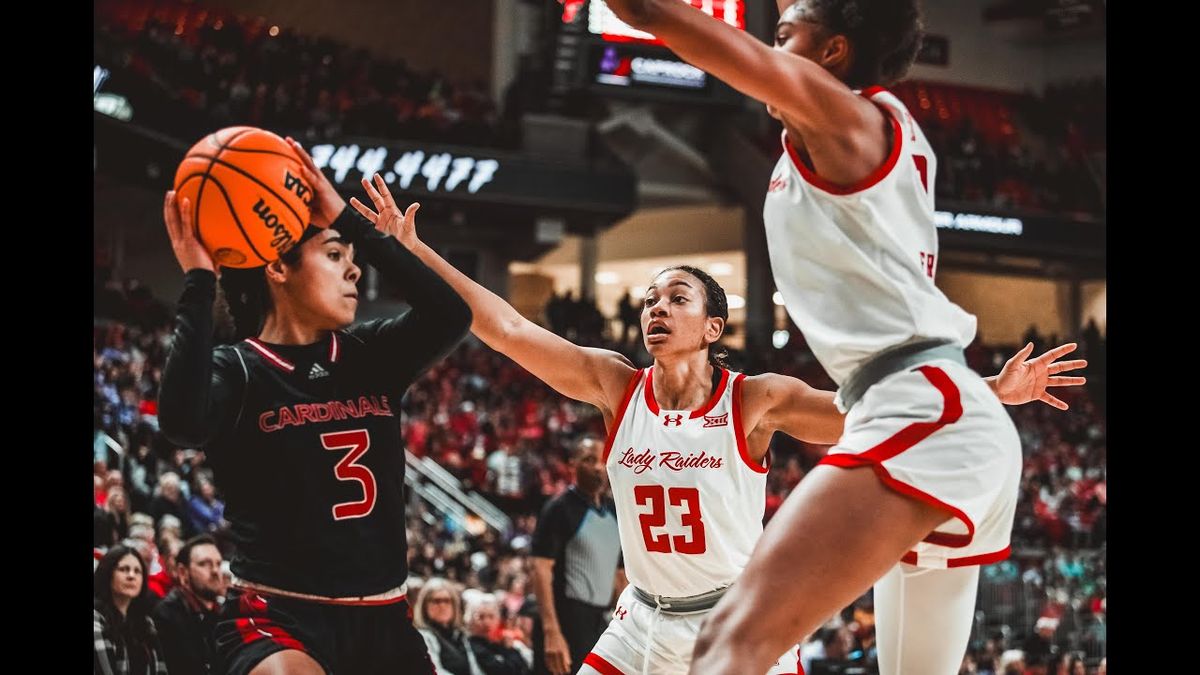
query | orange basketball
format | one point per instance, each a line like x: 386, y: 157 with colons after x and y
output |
x: 248, y: 200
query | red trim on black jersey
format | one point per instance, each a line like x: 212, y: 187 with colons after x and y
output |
x: 333, y: 348
x: 273, y: 358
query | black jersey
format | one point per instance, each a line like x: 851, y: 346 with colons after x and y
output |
x: 304, y: 440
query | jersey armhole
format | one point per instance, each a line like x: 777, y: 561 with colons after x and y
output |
x: 739, y: 431
x: 881, y: 172
x: 245, y: 386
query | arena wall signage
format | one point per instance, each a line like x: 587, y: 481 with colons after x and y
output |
x: 476, y: 174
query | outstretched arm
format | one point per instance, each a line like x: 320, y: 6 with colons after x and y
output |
x: 773, y: 402
x: 596, y: 376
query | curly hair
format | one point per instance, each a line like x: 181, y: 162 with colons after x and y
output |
x: 885, y: 35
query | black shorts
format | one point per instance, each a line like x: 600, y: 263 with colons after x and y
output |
x: 345, y: 640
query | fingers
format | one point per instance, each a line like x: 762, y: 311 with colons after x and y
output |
x: 1020, y: 356
x: 1064, y: 366
x: 171, y: 215
x: 185, y: 217
x: 1059, y: 351
x: 1066, y: 381
x: 384, y: 191
x: 313, y: 177
x: 1051, y: 400
x: 376, y: 198
x: 364, y: 210
x: 411, y: 212
x: 305, y: 158
x: 178, y: 215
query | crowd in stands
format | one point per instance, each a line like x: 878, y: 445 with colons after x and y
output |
x: 189, y: 70
x: 1015, y: 151
x: 503, y: 433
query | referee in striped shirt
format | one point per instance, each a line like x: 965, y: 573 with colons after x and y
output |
x: 577, y: 568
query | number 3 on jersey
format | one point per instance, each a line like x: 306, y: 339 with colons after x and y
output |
x: 357, y: 442
x: 685, y: 497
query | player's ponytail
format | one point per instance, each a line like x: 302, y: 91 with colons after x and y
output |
x: 247, y: 298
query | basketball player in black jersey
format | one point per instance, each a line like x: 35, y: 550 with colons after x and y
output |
x: 301, y: 424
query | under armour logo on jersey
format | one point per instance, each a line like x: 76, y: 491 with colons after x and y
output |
x: 672, y: 420
x: 716, y: 420
x: 777, y: 184
x: 317, y: 371
x: 620, y: 613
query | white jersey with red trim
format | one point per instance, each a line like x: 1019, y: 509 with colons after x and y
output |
x: 855, y: 264
x: 689, y: 502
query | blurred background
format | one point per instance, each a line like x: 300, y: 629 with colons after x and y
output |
x: 563, y: 159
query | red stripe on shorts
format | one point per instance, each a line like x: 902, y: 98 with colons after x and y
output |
x: 596, y: 661
x: 253, y: 630
x: 906, y: 438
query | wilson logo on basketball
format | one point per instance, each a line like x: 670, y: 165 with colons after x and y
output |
x: 716, y: 420
x: 281, y: 239
x: 672, y: 420
x: 295, y: 184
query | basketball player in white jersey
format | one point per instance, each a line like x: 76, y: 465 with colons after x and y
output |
x: 853, y: 246
x: 687, y: 446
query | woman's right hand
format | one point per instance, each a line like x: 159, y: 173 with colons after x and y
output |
x: 190, y: 253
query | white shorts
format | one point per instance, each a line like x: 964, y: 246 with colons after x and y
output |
x: 640, y: 639
x: 937, y: 433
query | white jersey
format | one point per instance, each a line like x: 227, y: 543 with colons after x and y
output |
x: 689, y: 501
x: 855, y: 264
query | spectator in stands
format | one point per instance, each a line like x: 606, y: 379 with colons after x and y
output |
x: 123, y: 635
x: 1040, y: 646
x: 168, y: 499
x: 186, y: 616
x: 141, y: 538
x: 206, y: 511
x: 438, y: 616
x: 1012, y: 662
x: 629, y: 312
x: 169, y: 545
x: 495, y: 649
x: 506, y: 476
x: 117, y: 511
